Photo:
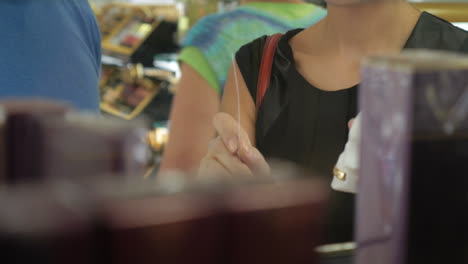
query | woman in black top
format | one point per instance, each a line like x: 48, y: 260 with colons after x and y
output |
x: 313, y: 91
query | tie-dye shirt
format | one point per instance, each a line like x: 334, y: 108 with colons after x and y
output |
x: 210, y: 44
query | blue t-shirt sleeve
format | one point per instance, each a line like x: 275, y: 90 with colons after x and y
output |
x: 91, y: 28
x: 50, y: 49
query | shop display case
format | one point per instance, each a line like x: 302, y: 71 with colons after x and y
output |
x: 133, y: 92
x: 132, y: 83
x: 127, y: 28
x: 127, y: 91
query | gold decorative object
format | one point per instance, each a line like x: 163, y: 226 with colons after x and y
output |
x: 341, y: 175
x: 157, y: 138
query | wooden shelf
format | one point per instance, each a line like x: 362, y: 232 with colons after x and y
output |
x: 452, y: 12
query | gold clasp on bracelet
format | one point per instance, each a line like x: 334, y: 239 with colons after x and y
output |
x: 341, y: 175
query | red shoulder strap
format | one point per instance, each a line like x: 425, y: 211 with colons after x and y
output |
x: 265, y: 67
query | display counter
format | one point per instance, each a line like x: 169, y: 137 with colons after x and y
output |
x: 139, y: 68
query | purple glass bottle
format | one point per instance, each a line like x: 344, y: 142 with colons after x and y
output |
x: 412, y: 205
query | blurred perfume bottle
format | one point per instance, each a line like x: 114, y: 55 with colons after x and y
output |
x: 275, y: 222
x: 45, y: 140
x: 47, y: 225
x: 412, y: 204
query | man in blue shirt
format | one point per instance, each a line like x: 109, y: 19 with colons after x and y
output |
x: 50, y: 49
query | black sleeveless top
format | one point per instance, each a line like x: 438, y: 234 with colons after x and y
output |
x: 303, y: 124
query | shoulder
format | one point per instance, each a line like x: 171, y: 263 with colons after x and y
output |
x: 199, y: 63
x: 251, y: 51
x: 449, y: 30
x: 248, y: 59
x: 250, y: 54
x: 208, y: 28
x: 449, y: 37
x: 85, y: 20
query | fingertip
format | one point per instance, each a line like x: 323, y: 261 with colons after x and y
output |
x: 246, y: 147
x: 255, y: 161
x: 248, y: 154
x: 232, y: 145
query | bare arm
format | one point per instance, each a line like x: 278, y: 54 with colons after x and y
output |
x: 233, y: 152
x: 247, y: 106
x: 191, y: 129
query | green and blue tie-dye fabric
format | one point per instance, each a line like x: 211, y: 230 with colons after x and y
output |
x: 219, y: 36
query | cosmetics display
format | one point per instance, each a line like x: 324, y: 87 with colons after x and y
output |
x: 134, y: 82
x: 133, y: 92
x: 135, y: 33
x: 127, y: 91
x: 44, y: 139
x: 412, y: 204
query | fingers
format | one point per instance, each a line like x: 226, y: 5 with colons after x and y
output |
x: 211, y: 168
x: 231, y: 152
x: 228, y: 129
x: 230, y: 161
x: 233, y: 165
x: 221, y: 161
x: 255, y: 161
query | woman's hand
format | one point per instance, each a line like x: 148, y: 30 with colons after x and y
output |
x: 231, y: 153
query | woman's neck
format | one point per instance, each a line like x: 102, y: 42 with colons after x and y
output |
x: 372, y: 26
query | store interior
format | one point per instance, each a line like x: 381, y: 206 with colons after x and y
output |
x: 79, y: 187
x: 141, y: 40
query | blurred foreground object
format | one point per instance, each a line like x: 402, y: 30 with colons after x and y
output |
x: 45, y: 140
x: 40, y: 224
x: 340, y: 253
x: 412, y: 202
x: 170, y: 220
